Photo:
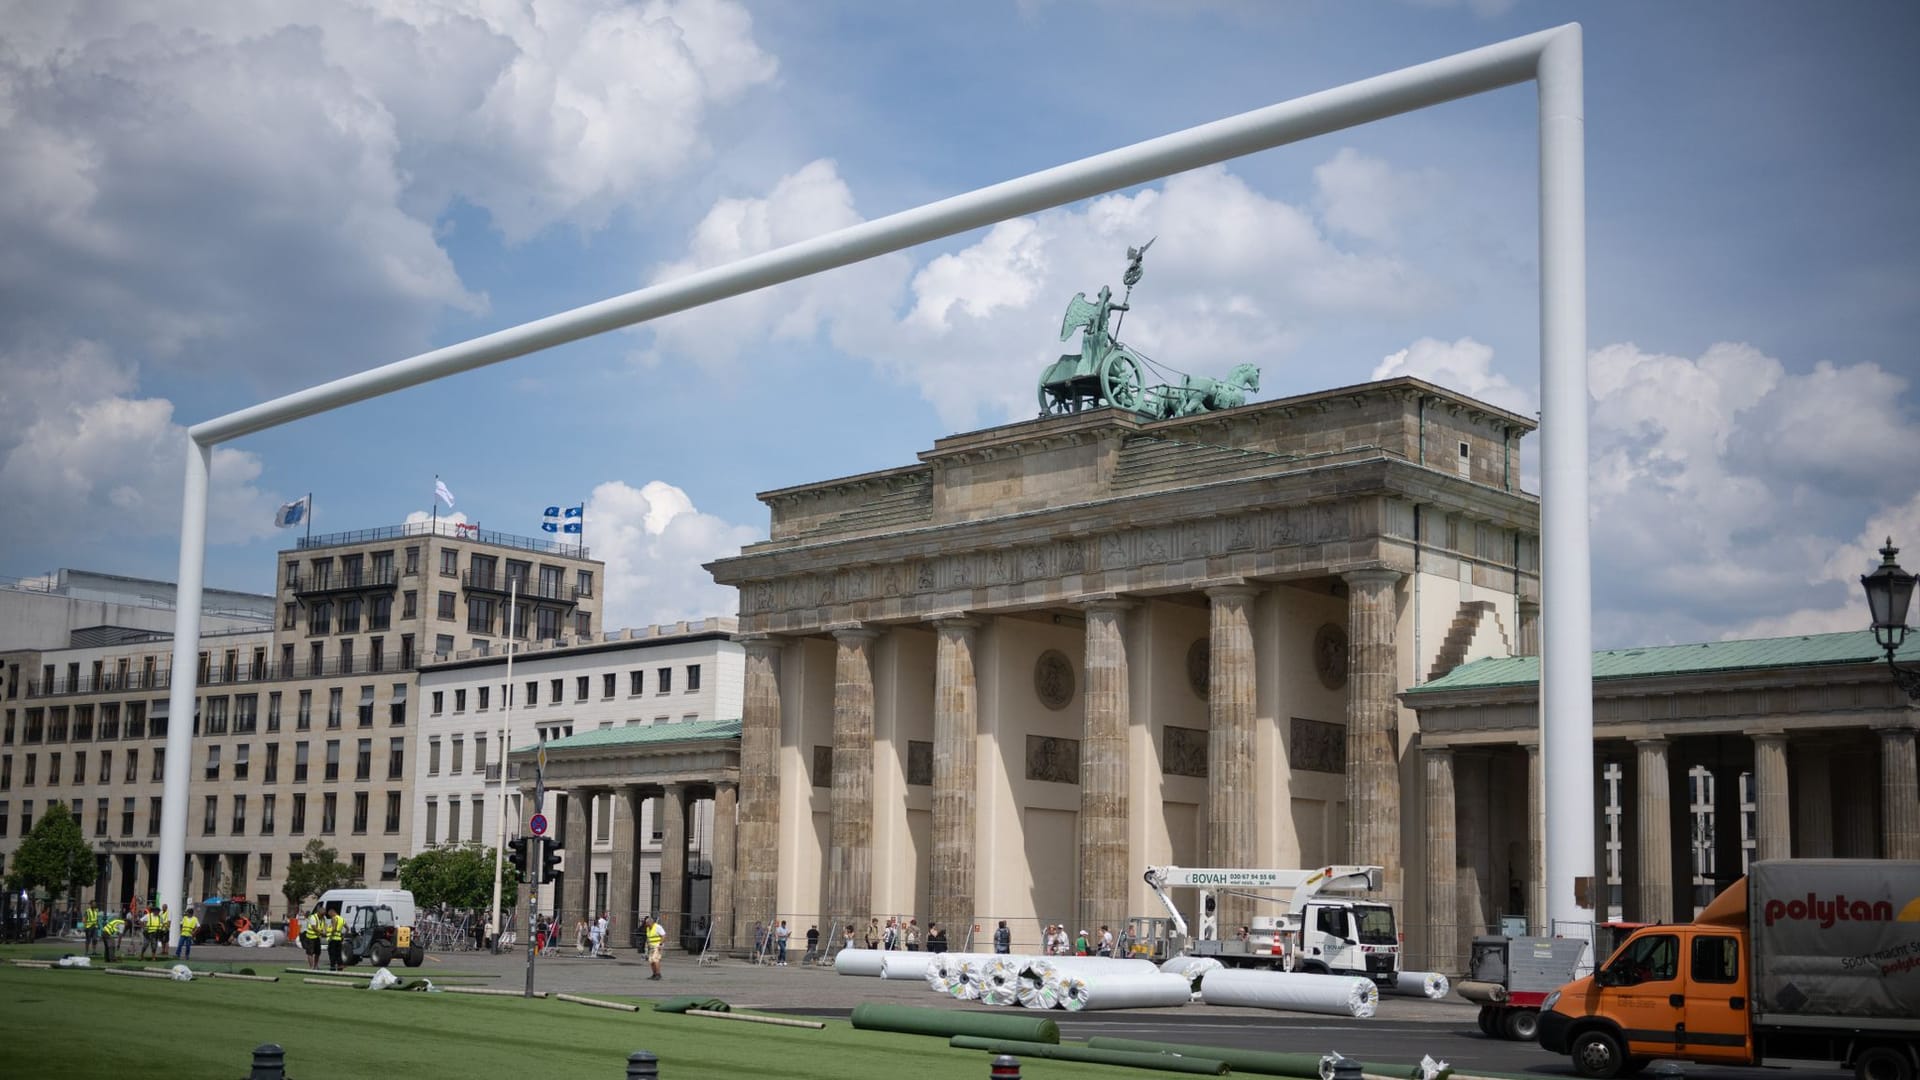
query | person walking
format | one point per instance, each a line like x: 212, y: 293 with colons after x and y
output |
x: 813, y: 946
x: 149, y: 933
x: 336, y: 938
x: 846, y: 937
x: 110, y: 938
x: 1002, y: 938
x: 313, y: 931
x: 189, y: 926
x: 873, y: 932
x: 1080, y: 946
x: 780, y: 935
x: 597, y: 934
x: 90, y: 923
x: 913, y: 935
x: 656, y: 938
x: 936, y: 938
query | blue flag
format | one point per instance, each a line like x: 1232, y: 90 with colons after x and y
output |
x: 293, y: 513
x: 553, y: 515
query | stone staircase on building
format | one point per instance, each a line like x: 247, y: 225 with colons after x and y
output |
x: 909, y: 503
x: 1472, y: 618
x: 1146, y: 461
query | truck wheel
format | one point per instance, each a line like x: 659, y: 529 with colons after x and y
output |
x: 1597, y: 1055
x: 1523, y: 1025
x: 1883, y: 1063
x: 1489, y: 1020
x: 382, y: 954
x: 416, y: 955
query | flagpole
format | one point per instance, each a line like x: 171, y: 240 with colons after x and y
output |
x: 309, y: 517
x: 506, y: 728
x: 435, y: 527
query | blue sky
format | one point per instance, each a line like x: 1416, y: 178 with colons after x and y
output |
x: 203, y: 205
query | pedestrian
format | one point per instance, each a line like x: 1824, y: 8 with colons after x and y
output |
x: 873, y: 933
x: 913, y: 935
x: 1002, y: 938
x: 1106, y: 942
x: 890, y: 937
x: 936, y: 938
x: 656, y: 937
x: 1080, y: 946
x: 149, y: 932
x: 336, y: 941
x: 189, y: 926
x: 598, y: 934
x: 90, y: 922
x: 313, y: 931
x: 846, y: 937
x: 780, y: 935
x: 110, y: 941
x: 813, y: 946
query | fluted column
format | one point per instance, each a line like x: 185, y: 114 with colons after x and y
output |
x: 577, y: 882
x: 1653, y: 815
x: 1536, y: 842
x: 1105, y: 868
x: 721, y: 887
x: 1475, y: 905
x: 1813, y: 807
x: 1529, y: 643
x: 1230, y: 752
x: 956, y: 723
x: 621, y: 901
x: 850, y: 858
x: 1855, y: 831
x: 1373, y: 724
x: 673, y: 857
x: 1899, y: 794
x: 1773, y: 815
x: 1443, y: 913
x: 757, y: 839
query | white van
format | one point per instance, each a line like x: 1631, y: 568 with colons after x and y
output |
x: 347, y: 901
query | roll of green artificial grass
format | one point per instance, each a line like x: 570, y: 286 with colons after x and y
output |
x: 947, y: 1023
x: 1265, y: 1062
x: 1163, y: 1062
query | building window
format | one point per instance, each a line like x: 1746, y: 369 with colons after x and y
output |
x: 558, y: 694
x: 480, y: 752
x: 439, y: 699
x: 459, y: 701
x: 336, y: 697
x: 479, y: 615
x: 533, y: 694
x: 433, y: 819
x: 126, y: 816
x: 99, y: 817
x: 300, y: 762
x: 396, y: 757
x: 433, y: 756
x: 273, y: 763
x: 366, y: 706
x: 406, y: 652
x: 363, y: 761
x: 303, y: 719
x: 389, y: 866
x: 413, y: 561
x: 445, y: 609
x: 633, y: 683
x: 213, y: 762
x: 299, y: 823
x: 350, y: 616
x: 450, y: 562
x: 478, y: 815
x: 345, y: 663
x: 693, y: 677
x: 153, y: 815
x: 453, y: 820
x: 409, y: 604
x: 159, y: 763
x: 6, y: 772
x: 333, y: 760
x: 210, y: 822
x: 380, y: 614
x: 109, y: 720
x: 459, y: 754
x: 580, y: 686
x: 242, y: 756
x: 239, y: 815
x: 547, y: 624
x: 359, y: 813
x: 290, y: 617
x: 483, y: 691
x: 273, y: 712
x: 53, y: 770
x: 266, y: 865
x: 266, y: 815
x: 663, y: 681
x: 320, y: 618
x: 583, y: 624
x: 217, y: 716
x: 359, y: 862
x: 608, y: 682
x: 397, y: 705
x: 393, y: 812
x: 33, y: 764
x: 329, y: 812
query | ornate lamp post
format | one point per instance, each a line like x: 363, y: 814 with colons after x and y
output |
x: 1889, y: 593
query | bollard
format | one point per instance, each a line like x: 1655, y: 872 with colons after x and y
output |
x: 1345, y: 1068
x: 269, y: 1063
x: 642, y: 1065
x: 1004, y: 1067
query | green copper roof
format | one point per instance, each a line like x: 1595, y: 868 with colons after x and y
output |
x: 1808, y: 650
x: 643, y: 734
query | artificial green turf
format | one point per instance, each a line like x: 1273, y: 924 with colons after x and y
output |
x: 87, y: 1024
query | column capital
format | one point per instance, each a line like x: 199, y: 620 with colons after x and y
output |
x: 763, y: 644
x: 1374, y: 575
x: 1778, y: 737
x: 962, y: 621
x: 1651, y: 742
x: 1232, y: 589
x: 1438, y: 753
x: 1894, y: 729
x: 1106, y: 603
x: 853, y: 631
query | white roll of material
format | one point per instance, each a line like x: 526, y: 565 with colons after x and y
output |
x: 1191, y: 966
x: 267, y: 939
x: 1101, y: 964
x: 1130, y: 991
x: 963, y: 979
x: 905, y: 965
x: 865, y: 962
x: 1000, y: 980
x: 1331, y: 995
x: 1427, y: 984
x: 246, y: 939
x: 937, y: 973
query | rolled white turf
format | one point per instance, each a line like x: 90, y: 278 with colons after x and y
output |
x: 905, y: 965
x: 866, y: 962
x: 1427, y: 984
x: 1331, y: 995
x: 1126, y: 991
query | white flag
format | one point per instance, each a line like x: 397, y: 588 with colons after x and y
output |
x: 440, y: 489
x: 293, y: 513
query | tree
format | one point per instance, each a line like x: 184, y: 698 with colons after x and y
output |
x: 54, y: 856
x: 459, y: 876
x: 313, y: 872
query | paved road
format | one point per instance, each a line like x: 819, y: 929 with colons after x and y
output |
x: 1405, y: 1029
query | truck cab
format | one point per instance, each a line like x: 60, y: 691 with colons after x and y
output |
x: 1667, y: 992
x: 1349, y: 937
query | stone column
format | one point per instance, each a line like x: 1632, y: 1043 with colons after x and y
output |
x: 1373, y: 724
x: 1855, y: 831
x: 1529, y: 643
x: 673, y: 858
x: 1443, y: 913
x: 1813, y: 809
x: 1653, y: 816
x: 757, y: 839
x: 1899, y: 794
x: 576, y: 885
x: 622, y: 899
x: 1231, y: 777
x: 850, y: 858
x: 956, y: 727
x: 1105, y: 868
x: 1474, y: 909
x: 1536, y: 843
x: 1773, y: 816
x: 721, y: 888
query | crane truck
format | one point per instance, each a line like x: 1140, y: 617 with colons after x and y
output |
x: 1319, y: 933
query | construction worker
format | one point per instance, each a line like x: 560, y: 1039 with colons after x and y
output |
x: 336, y: 935
x: 150, y: 932
x: 189, y: 926
x: 656, y: 938
x: 90, y: 922
x: 114, y: 928
x: 313, y: 930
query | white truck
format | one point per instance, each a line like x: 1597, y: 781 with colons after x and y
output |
x: 1318, y: 933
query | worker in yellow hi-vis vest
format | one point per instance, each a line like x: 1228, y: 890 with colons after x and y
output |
x: 336, y: 935
x: 111, y: 938
x: 90, y: 922
x: 189, y: 926
x: 150, y: 930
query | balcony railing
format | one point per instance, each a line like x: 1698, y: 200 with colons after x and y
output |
x: 133, y: 680
x: 317, y: 584
x: 245, y: 674
x: 447, y: 529
x: 529, y: 590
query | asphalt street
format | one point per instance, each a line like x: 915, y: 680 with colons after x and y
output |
x: 1404, y: 1029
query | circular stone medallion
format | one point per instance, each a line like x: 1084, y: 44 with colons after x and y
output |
x: 1330, y: 656
x: 1053, y: 679
x: 1199, y: 660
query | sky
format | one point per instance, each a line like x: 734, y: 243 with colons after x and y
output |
x: 203, y: 205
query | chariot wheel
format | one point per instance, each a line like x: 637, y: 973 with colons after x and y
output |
x: 1120, y: 381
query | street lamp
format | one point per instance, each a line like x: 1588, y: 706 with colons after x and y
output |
x: 1889, y: 593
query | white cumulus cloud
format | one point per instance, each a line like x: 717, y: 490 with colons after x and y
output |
x: 654, y: 542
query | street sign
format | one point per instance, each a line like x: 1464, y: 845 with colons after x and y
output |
x: 538, y: 826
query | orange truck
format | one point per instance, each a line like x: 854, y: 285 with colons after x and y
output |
x: 1801, y: 961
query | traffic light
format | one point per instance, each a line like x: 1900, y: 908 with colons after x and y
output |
x: 517, y: 855
x: 550, y: 860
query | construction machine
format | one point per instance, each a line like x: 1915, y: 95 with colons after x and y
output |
x: 373, y: 934
x: 1318, y: 933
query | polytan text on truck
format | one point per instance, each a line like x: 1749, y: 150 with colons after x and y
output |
x: 1802, y: 960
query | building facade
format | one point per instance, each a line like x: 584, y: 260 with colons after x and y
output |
x: 1000, y: 682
